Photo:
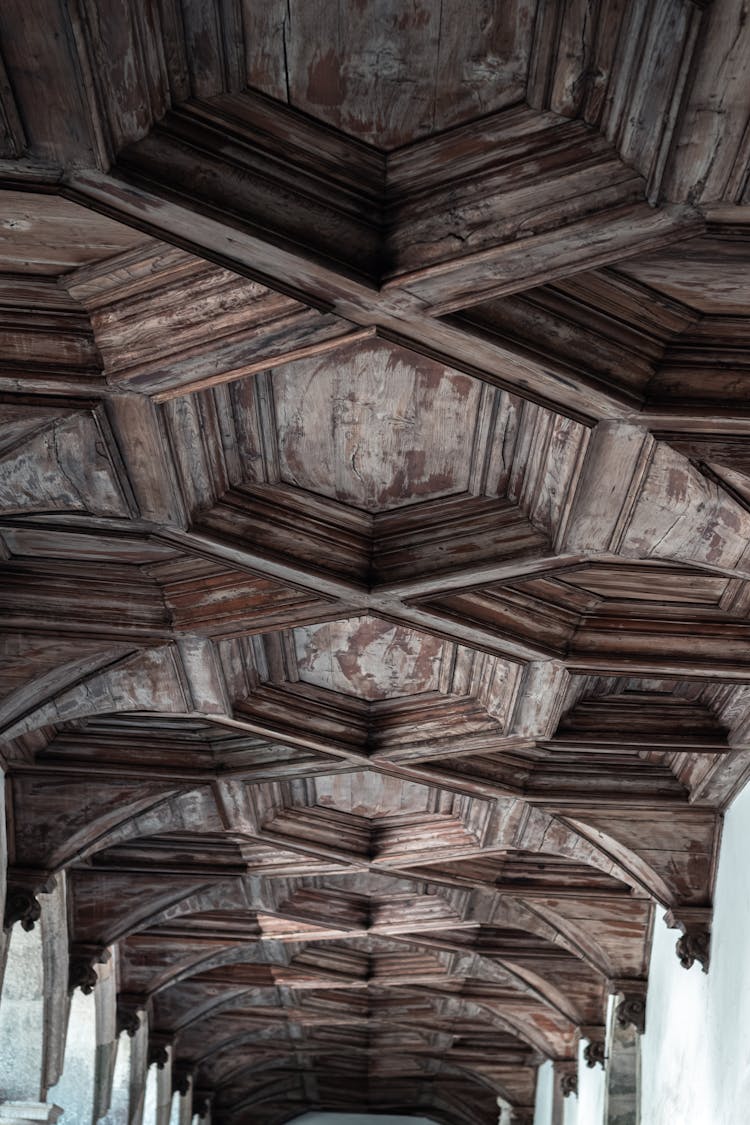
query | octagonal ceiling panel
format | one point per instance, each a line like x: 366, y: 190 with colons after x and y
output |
x: 369, y: 658
x: 375, y: 427
x: 387, y: 73
x: 367, y: 815
x: 376, y: 796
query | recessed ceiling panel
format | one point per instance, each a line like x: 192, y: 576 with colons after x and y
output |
x: 389, y: 72
x: 375, y: 427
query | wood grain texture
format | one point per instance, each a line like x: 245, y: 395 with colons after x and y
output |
x: 45, y: 235
x: 374, y: 520
x: 434, y: 64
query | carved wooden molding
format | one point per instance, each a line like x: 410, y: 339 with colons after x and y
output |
x: 21, y: 906
x: 129, y: 1009
x: 566, y: 1071
x: 595, y: 1050
x: 202, y: 1101
x: 695, y: 942
x: 81, y: 971
x: 159, y: 1044
x: 631, y: 1008
x: 182, y: 1077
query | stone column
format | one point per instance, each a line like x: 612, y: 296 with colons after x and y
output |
x: 591, y: 1073
x: 151, y: 1099
x: 54, y: 926
x: 22, y: 1019
x: 565, y: 1086
x: 202, y: 1105
x: 627, y: 1023
x: 137, y: 1022
x: 119, y: 1101
x: 75, y: 1090
x: 186, y: 1108
x: 558, y: 1103
x: 4, y: 934
x: 34, y: 1002
x: 182, y: 1084
x: 161, y: 1052
x: 105, y: 999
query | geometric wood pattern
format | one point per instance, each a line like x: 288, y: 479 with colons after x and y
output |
x: 374, y: 520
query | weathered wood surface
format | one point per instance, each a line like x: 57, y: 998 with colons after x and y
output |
x: 374, y: 519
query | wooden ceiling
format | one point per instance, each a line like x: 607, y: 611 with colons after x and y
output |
x: 374, y: 520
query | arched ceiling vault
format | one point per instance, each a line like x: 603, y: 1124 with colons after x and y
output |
x: 374, y: 520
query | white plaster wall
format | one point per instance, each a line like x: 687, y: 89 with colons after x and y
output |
x: 586, y: 1109
x: 695, y: 1060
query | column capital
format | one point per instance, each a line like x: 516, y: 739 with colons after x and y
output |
x: 21, y: 905
x: 81, y: 971
x: 202, y: 1101
x: 24, y: 885
x: 631, y: 1010
x: 129, y: 1008
x: 694, y: 923
x: 566, y: 1071
x: 159, y: 1043
x: 182, y: 1076
x: 594, y: 1052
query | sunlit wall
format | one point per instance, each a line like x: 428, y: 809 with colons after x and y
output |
x: 695, y: 1061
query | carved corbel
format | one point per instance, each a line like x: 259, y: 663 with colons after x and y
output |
x: 129, y: 1005
x: 159, y: 1043
x: 631, y: 1010
x: 81, y: 971
x: 159, y: 1054
x: 21, y: 906
x: 567, y: 1073
x: 21, y: 901
x: 594, y: 1052
x: 694, y: 922
x: 202, y: 1102
x: 182, y: 1074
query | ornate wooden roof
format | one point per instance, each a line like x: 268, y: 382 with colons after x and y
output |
x: 374, y: 519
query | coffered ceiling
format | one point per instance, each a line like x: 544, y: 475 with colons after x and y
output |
x: 374, y: 520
